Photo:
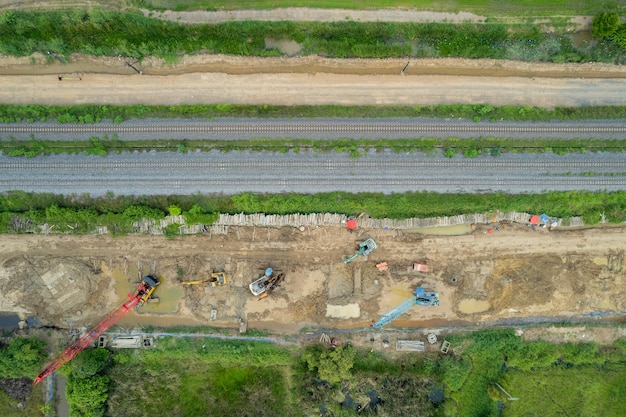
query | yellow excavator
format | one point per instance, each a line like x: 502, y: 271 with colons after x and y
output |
x: 217, y: 279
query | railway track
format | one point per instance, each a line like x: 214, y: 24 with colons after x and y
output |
x: 284, y: 128
x: 265, y: 164
x: 340, y: 183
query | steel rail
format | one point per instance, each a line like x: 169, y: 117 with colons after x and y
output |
x: 25, y: 165
x: 286, y: 127
x: 485, y: 183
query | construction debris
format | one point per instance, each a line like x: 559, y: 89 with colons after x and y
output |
x: 409, y: 346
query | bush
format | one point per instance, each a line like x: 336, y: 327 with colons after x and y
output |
x: 22, y: 357
x: 605, y: 24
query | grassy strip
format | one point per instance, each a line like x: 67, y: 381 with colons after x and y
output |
x: 500, y: 356
x: 104, y: 33
x: 450, y: 147
x: 198, y: 377
x: 189, y: 376
x: 489, y: 7
x: 20, y: 211
x: 88, y: 113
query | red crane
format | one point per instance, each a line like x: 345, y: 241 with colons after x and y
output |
x: 142, y: 294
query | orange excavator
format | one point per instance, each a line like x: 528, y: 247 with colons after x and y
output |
x: 142, y: 294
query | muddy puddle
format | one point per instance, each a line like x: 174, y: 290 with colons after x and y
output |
x: 285, y: 46
x: 168, y: 294
x: 470, y: 306
x: 133, y: 319
x: 78, y: 66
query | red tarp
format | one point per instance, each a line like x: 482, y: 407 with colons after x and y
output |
x: 534, y: 220
x: 351, y: 224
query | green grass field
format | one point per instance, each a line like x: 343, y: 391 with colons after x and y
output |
x: 487, y: 7
x: 206, y: 377
x: 201, y: 377
x: 580, y: 391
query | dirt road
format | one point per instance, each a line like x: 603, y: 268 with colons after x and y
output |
x: 309, y: 80
x: 513, y: 273
x: 311, y: 89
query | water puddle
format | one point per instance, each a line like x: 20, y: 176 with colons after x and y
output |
x: 168, y: 294
x: 470, y: 306
x: 10, y: 320
x: 582, y: 38
x: 285, y: 46
x: 601, y: 260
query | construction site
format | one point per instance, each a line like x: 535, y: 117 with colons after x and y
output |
x: 288, y: 280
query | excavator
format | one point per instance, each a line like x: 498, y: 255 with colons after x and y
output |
x: 365, y: 248
x: 217, y: 279
x: 420, y: 298
x: 265, y: 285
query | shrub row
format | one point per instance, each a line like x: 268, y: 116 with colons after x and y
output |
x: 450, y: 147
x: 21, y: 212
x: 88, y: 113
x: 105, y: 33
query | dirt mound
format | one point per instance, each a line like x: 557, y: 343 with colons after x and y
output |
x: 48, y: 287
x: 17, y: 388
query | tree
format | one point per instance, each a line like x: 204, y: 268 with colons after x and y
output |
x: 605, y: 24
x: 86, y: 396
x: 333, y: 366
x: 89, y: 362
x: 22, y: 357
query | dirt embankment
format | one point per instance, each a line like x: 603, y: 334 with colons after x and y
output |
x: 224, y: 64
x: 514, y: 273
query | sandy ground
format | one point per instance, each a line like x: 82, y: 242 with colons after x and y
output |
x: 310, y: 80
x: 515, y: 273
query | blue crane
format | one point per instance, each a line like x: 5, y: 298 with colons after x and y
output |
x: 420, y: 298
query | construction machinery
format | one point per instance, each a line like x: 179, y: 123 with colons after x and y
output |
x: 217, y: 279
x: 142, y: 294
x: 365, y: 248
x: 266, y: 284
x: 420, y: 298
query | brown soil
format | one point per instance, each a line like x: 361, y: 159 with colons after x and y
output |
x: 224, y: 64
x: 511, y: 274
x: 309, y: 81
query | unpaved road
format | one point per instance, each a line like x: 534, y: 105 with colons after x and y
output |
x: 310, y: 80
x: 311, y: 89
x: 515, y: 273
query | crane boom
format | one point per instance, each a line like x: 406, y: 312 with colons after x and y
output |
x: 420, y: 298
x: 141, y: 295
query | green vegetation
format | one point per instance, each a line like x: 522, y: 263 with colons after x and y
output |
x: 80, y: 114
x: 489, y: 7
x: 469, y: 148
x: 199, y: 377
x: 530, y: 368
x: 21, y: 212
x: 22, y: 357
x: 206, y: 376
x: 105, y: 33
x: 87, y: 386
